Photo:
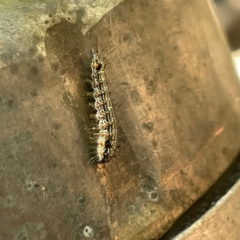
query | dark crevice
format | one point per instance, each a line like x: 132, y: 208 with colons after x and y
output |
x: 207, y: 201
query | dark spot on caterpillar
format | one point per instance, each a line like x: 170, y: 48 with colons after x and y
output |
x: 148, y: 126
x: 46, y: 22
x: 135, y: 96
x: 98, y: 67
x: 175, y: 48
x: 14, y: 69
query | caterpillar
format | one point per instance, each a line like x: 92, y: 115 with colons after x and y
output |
x: 103, y: 132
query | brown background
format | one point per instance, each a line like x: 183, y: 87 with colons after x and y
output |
x: 176, y: 98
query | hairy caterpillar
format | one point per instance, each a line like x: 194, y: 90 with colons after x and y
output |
x: 103, y: 132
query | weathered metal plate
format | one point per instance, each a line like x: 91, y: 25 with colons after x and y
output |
x: 177, y: 105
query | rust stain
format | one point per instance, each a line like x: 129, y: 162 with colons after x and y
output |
x: 102, y: 173
x: 103, y: 176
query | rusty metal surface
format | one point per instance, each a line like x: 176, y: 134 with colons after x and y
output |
x: 177, y: 103
x: 221, y: 222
